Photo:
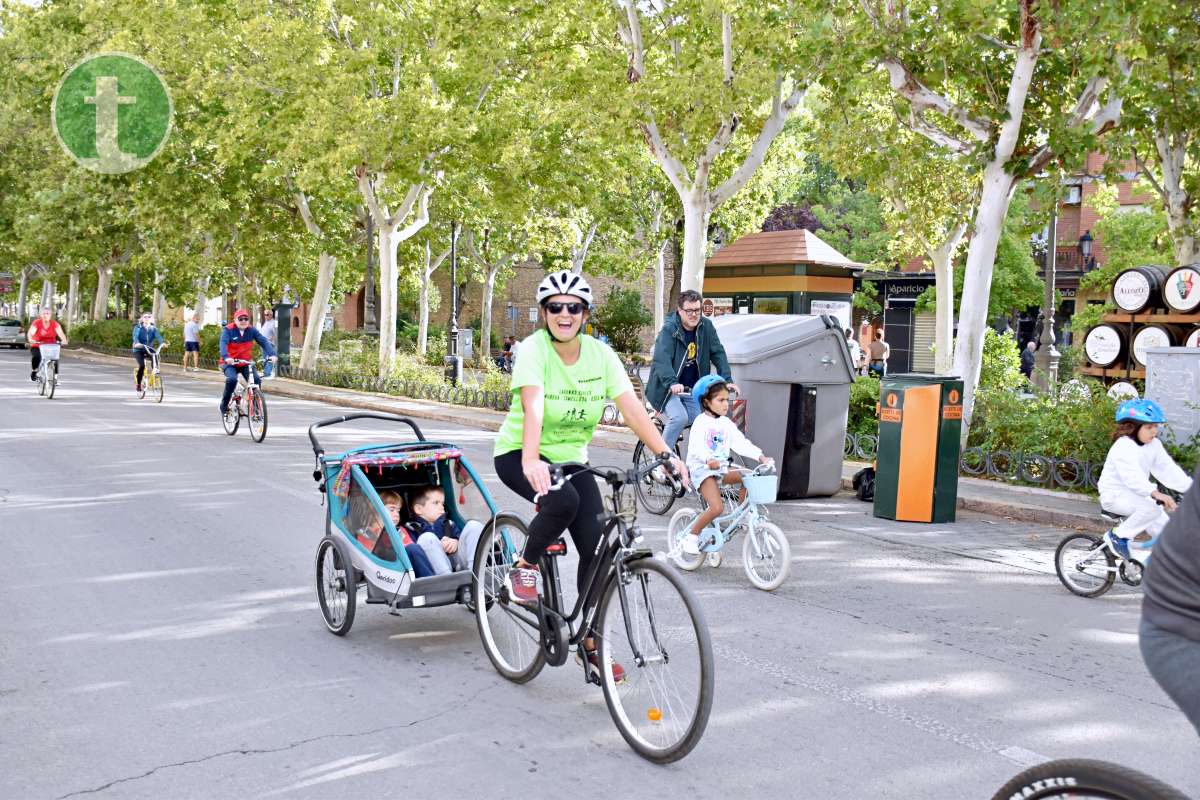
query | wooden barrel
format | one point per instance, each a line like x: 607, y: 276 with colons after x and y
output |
x: 1153, y: 335
x: 1104, y: 345
x: 1181, y: 290
x: 1138, y: 288
x: 1193, y: 338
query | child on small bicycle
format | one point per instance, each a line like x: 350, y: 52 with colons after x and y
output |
x: 1125, y: 484
x: 444, y: 544
x: 713, y: 437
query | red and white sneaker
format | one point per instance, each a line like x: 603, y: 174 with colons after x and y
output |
x: 594, y: 673
x: 523, y: 585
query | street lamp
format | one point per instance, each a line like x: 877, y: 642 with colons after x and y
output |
x: 1085, y: 249
x: 1045, y: 369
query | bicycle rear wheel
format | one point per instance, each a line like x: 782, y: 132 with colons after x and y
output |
x: 652, y: 626
x: 52, y: 378
x: 657, y: 490
x: 510, y: 632
x: 1084, y: 565
x: 1084, y: 778
x: 256, y: 414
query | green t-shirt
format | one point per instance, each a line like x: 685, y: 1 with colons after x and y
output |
x: 574, y: 395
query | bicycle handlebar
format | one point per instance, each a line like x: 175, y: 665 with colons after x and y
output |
x: 615, y: 476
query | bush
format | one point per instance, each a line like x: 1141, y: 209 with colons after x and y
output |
x: 495, y: 379
x: 1001, y: 367
x: 118, y: 334
x: 864, y: 396
x: 621, y: 317
x: 1077, y: 426
x: 409, y: 367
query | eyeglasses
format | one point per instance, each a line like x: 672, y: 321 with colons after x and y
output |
x: 691, y: 312
x: 574, y: 309
x: 243, y: 319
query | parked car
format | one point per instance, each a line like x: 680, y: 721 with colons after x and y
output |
x: 12, y: 333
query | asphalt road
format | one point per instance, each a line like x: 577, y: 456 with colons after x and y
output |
x: 162, y: 639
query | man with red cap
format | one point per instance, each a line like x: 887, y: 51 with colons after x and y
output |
x: 237, y: 344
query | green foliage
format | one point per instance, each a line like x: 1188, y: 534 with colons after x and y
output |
x: 1131, y: 239
x: 867, y: 298
x: 622, y: 316
x: 1069, y: 358
x: 1078, y: 426
x: 1088, y: 316
x: 495, y: 379
x: 409, y: 367
x: 1001, y: 368
x: 864, y: 397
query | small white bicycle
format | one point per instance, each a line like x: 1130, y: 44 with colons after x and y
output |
x: 47, y: 376
x: 766, y: 554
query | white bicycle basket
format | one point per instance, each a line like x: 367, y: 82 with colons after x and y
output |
x: 49, y: 350
x: 761, y: 488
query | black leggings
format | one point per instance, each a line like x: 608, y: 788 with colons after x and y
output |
x: 139, y: 355
x: 575, y: 506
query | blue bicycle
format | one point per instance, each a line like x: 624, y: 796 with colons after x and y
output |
x: 766, y: 554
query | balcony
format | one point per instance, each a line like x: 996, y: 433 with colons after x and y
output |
x: 1067, y: 259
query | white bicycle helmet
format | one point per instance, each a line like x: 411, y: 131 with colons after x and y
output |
x: 564, y: 282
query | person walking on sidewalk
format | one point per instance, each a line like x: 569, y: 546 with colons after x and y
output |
x: 879, y: 351
x: 560, y: 385
x: 687, y: 349
x: 191, y: 342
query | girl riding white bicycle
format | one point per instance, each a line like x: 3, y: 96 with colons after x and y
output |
x: 1125, y: 484
x: 713, y: 437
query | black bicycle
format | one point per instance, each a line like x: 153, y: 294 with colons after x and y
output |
x: 657, y: 488
x: 642, y: 615
x: 1087, y: 780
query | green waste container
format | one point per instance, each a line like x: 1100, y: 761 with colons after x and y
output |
x: 916, y: 464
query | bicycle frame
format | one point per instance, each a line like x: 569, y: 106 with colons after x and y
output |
x: 727, y: 523
x: 1118, y: 559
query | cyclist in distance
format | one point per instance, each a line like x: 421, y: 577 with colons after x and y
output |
x: 237, y: 344
x: 44, y: 330
x: 686, y: 349
x: 560, y: 385
x: 144, y: 334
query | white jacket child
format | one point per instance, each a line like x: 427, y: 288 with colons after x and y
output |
x: 713, y: 438
x: 1125, y: 484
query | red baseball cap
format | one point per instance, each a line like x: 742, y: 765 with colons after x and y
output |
x: 241, y: 312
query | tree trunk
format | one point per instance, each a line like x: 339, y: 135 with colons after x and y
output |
x: 660, y: 280
x: 485, y: 314
x: 23, y: 296
x: 103, y: 284
x: 943, y: 271
x: 1172, y: 156
x: 202, y: 298
x: 47, y: 293
x: 240, y: 293
x: 73, y: 297
x: 996, y: 194
x: 316, y: 314
x: 389, y: 286
x: 696, y: 213
x: 158, y: 305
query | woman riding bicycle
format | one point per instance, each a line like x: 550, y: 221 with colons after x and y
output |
x: 145, y: 333
x: 562, y: 381
x: 44, y: 330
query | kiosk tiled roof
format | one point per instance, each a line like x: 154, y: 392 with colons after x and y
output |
x: 780, y: 247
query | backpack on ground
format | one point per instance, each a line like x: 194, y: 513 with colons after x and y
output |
x: 864, y: 484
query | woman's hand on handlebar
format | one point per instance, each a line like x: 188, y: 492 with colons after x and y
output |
x: 537, y: 472
x: 680, y: 469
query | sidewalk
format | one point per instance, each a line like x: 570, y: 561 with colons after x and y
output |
x: 1023, y: 503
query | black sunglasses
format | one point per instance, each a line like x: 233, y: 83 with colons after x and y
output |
x: 573, y: 309
x: 243, y: 319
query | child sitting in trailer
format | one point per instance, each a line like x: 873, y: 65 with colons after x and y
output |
x: 368, y: 529
x: 447, y: 548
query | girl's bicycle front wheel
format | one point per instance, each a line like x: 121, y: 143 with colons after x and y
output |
x: 257, y: 415
x: 1084, y: 565
x: 677, y: 528
x: 766, y: 555
x: 1084, y: 778
x: 42, y: 381
x: 510, y: 632
x: 656, y: 660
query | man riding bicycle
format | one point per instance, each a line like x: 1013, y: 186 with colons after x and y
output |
x: 560, y: 385
x: 44, y: 330
x: 687, y: 348
x: 144, y: 335
x: 237, y: 344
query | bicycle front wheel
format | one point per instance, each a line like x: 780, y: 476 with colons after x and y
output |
x: 1085, y: 778
x: 656, y: 490
x: 157, y: 388
x: 651, y: 629
x: 510, y: 632
x: 257, y: 415
x: 232, y: 417
x: 1084, y: 565
x: 766, y: 556
x: 51, y: 378
x: 42, y: 381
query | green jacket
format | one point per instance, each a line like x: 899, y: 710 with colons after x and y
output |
x: 670, y: 350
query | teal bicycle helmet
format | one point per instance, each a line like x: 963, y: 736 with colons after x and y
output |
x: 704, y: 384
x: 1140, y: 411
